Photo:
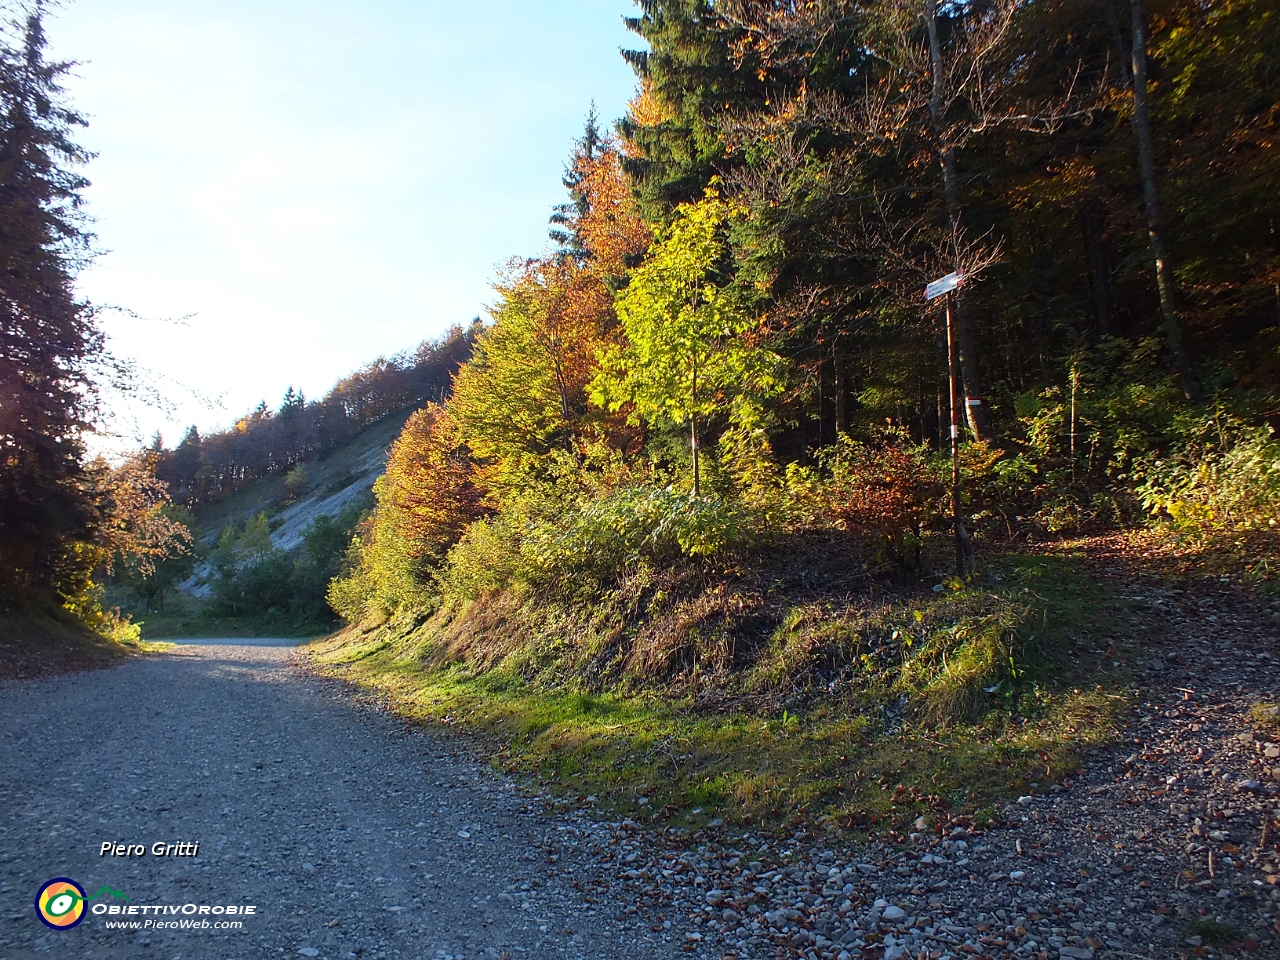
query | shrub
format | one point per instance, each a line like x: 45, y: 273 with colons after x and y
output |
x: 486, y: 558
x: 549, y: 533
x: 295, y: 482
x: 112, y: 625
x: 250, y: 573
x: 889, y: 491
x: 252, y: 577
x: 603, y: 536
x: 379, y: 574
x: 1226, y: 479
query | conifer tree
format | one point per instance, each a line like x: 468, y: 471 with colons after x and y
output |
x: 689, y: 82
x: 48, y: 337
x: 566, y: 216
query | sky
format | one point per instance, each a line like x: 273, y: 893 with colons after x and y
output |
x: 287, y: 189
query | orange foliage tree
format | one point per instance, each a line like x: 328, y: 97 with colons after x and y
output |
x: 889, y: 491
x: 134, y: 530
x: 429, y: 492
x: 523, y: 394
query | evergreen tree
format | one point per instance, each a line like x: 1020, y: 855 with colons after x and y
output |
x: 566, y: 216
x: 48, y: 338
x: 689, y: 82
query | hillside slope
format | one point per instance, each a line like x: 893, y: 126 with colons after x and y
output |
x: 328, y: 485
x: 332, y: 490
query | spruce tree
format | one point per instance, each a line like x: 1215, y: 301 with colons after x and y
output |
x: 565, y: 217
x: 691, y: 75
x: 48, y: 337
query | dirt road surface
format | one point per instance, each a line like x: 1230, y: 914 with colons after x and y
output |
x: 353, y: 836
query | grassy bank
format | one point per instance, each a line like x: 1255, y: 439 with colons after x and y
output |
x: 40, y: 640
x: 860, y: 712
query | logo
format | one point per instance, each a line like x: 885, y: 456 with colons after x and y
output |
x: 60, y: 902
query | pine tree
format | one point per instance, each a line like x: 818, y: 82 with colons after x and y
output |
x: 48, y: 337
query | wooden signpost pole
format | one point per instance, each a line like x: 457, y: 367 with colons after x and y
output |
x: 955, y: 443
x: 943, y: 287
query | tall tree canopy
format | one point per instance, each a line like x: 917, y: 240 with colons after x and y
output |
x: 48, y: 337
x: 685, y: 358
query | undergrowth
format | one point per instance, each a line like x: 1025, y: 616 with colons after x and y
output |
x: 737, y: 694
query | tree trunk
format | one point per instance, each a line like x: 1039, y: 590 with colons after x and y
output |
x: 693, y: 431
x: 1099, y: 264
x: 565, y: 411
x: 842, y: 392
x: 975, y: 412
x: 826, y: 421
x: 1151, y: 204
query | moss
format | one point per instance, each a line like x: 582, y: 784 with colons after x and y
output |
x: 1212, y: 931
x: 1266, y: 716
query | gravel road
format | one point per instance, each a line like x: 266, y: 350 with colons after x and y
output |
x: 353, y: 836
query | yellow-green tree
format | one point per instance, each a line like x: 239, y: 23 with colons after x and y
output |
x: 687, y: 355
x: 524, y: 393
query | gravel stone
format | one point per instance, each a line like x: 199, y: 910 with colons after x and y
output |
x: 355, y: 835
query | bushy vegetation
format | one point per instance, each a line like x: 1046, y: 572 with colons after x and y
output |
x: 727, y: 347
x: 253, y: 580
x: 1226, y: 479
x: 664, y: 702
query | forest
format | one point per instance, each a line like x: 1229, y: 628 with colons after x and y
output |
x: 727, y: 343
x: 200, y: 470
x: 724, y: 359
x: 723, y: 584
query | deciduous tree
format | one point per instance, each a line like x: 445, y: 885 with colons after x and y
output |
x: 686, y: 355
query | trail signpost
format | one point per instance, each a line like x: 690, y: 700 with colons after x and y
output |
x: 942, y: 287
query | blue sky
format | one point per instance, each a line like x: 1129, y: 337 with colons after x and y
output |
x: 318, y: 182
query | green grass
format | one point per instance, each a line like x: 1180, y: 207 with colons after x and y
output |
x: 992, y: 699
x: 173, y: 626
x: 1213, y: 932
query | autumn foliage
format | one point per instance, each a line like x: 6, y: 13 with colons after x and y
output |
x: 524, y: 392
x: 888, y: 491
x: 725, y: 342
x: 430, y: 491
